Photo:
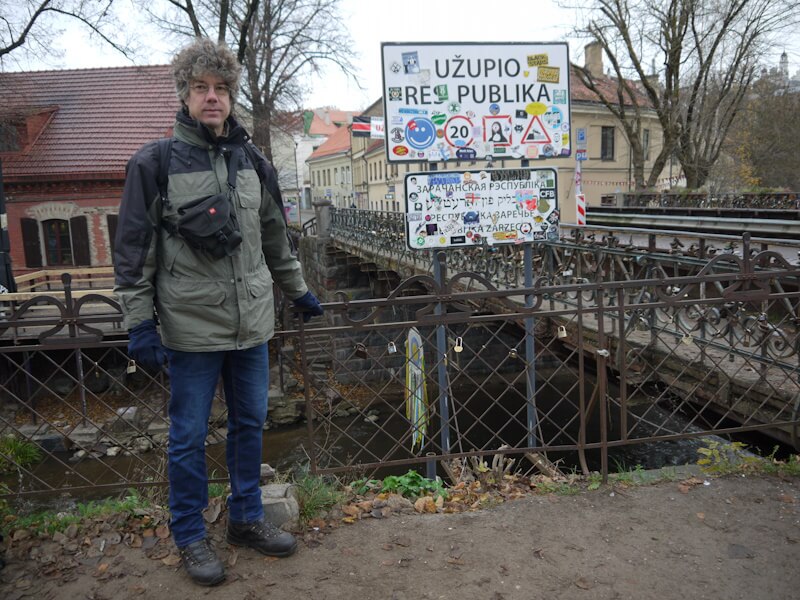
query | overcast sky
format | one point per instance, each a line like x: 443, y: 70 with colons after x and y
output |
x: 372, y: 22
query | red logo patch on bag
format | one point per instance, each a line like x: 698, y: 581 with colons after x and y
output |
x: 212, y: 211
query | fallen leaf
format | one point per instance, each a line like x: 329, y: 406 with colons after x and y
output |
x: 683, y: 489
x: 539, y: 553
x: 455, y: 561
x: 582, y: 583
x: 162, y: 532
x: 348, y: 520
x: 172, y: 560
x: 157, y: 552
x: 387, y: 563
x: 701, y: 516
x: 148, y: 533
x: 786, y: 498
x: 136, y: 541
x: 352, y: 511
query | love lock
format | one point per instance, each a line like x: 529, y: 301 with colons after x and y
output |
x: 131, y: 368
x: 687, y: 340
x: 391, y: 348
x: 361, y: 350
x: 459, y: 345
x: 562, y: 331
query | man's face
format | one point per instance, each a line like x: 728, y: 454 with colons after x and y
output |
x: 209, y: 102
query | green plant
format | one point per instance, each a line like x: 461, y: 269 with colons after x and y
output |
x: 560, y: 488
x: 364, y: 485
x: 17, y: 453
x: 316, y: 496
x: 216, y: 489
x: 594, y: 479
x: 413, y: 485
x: 49, y: 522
x: 721, y: 458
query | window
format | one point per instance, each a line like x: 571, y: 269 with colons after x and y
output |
x: 607, y: 143
x: 646, y: 143
x: 9, y: 137
x: 336, y: 175
x: 57, y: 248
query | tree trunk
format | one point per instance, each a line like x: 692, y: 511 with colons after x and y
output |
x: 262, y: 128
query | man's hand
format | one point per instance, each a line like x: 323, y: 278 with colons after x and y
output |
x: 144, y: 345
x: 311, y: 304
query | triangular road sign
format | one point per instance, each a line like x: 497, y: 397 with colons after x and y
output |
x: 536, y: 133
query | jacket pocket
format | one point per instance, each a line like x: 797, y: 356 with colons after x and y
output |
x: 259, y: 283
x: 249, y: 189
x: 202, y: 293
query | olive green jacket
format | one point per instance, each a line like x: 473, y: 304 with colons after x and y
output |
x: 202, y: 304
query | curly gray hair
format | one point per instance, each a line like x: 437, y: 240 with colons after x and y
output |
x: 205, y: 57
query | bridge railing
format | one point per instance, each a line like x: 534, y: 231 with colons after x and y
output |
x: 592, y: 253
x: 594, y: 364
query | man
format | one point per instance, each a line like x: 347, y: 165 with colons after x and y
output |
x: 214, y: 302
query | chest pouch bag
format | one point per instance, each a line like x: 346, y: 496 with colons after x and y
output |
x: 209, y: 224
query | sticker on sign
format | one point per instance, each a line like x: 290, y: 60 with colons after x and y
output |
x: 447, y: 209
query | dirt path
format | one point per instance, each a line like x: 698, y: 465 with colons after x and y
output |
x: 735, y: 538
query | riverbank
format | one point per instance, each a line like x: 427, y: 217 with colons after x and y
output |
x: 734, y: 537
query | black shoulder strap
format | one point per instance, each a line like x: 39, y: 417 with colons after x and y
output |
x: 164, y: 154
x: 249, y: 149
x: 267, y: 179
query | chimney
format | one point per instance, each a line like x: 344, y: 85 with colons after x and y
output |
x: 593, y: 58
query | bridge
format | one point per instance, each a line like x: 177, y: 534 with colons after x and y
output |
x: 607, y: 339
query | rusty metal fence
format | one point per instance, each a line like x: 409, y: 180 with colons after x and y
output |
x: 572, y: 367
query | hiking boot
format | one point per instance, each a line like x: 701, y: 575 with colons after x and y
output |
x: 202, y: 563
x: 262, y: 536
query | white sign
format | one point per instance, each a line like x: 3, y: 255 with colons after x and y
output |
x: 461, y: 101
x: 446, y: 209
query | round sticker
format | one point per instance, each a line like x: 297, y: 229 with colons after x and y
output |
x: 420, y: 133
x: 458, y: 131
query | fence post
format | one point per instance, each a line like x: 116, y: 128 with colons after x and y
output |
x: 322, y: 211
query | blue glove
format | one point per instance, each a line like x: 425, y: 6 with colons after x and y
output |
x: 144, y: 345
x: 311, y: 304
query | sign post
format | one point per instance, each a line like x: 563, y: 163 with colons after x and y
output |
x: 581, y: 154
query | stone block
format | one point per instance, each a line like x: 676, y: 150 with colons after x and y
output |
x: 127, y: 419
x: 85, y: 435
x: 280, y: 505
x: 51, y: 442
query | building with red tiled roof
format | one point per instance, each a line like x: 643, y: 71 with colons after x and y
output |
x: 330, y: 169
x: 65, y: 138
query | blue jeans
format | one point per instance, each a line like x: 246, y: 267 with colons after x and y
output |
x: 193, y: 380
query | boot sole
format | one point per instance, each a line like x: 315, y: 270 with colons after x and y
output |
x: 211, y: 583
x: 240, y: 542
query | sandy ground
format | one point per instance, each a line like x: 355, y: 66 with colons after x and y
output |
x: 738, y: 537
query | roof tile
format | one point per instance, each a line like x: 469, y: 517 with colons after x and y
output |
x: 102, y: 117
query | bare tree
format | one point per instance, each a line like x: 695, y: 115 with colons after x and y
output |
x: 762, y: 144
x: 281, y: 43
x: 705, y: 57
x: 31, y: 25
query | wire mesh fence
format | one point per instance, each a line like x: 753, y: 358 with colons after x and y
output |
x: 435, y: 372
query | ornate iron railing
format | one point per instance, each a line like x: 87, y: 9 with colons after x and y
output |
x: 611, y: 347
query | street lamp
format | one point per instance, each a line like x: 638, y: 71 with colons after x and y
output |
x: 296, y: 139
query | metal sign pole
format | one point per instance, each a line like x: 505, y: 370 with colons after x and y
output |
x: 530, y: 350
x: 439, y: 265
